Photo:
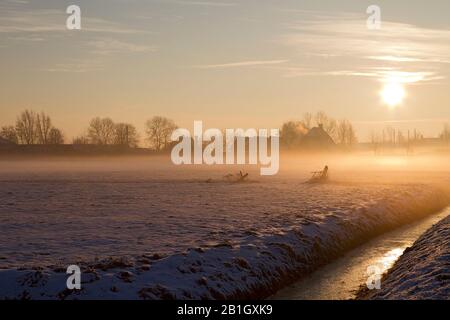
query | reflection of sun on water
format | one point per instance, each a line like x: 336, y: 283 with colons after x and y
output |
x: 390, y: 257
x: 393, y: 94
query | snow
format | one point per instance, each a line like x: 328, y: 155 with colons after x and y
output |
x: 422, y: 272
x: 142, y: 233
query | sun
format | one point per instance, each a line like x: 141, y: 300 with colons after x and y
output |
x: 393, y: 94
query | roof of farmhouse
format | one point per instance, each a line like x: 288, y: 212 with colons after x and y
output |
x: 318, y: 135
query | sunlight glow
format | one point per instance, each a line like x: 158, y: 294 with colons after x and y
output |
x: 390, y: 257
x: 393, y: 94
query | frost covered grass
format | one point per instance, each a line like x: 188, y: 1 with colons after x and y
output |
x: 147, y: 233
x: 422, y: 272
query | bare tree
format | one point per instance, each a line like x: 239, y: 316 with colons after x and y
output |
x: 158, y: 130
x: 328, y: 124
x: 43, y: 127
x: 292, y: 133
x: 445, y: 135
x: 345, y: 133
x: 401, y: 138
x: 101, y: 131
x: 375, y: 141
x: 341, y: 132
x: 80, y: 140
x: 389, y: 135
x: 351, y: 137
x: 9, y: 133
x: 307, y: 120
x: 126, y: 134
x: 55, y: 136
x: 26, y: 125
x: 374, y: 137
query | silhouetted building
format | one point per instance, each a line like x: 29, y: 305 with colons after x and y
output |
x: 317, y: 137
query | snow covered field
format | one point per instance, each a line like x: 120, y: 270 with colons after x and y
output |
x: 422, y: 272
x: 149, y: 231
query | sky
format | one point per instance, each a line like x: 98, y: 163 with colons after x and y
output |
x: 229, y: 63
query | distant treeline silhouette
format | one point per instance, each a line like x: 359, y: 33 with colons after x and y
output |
x: 294, y: 134
x: 390, y: 137
x: 32, y: 128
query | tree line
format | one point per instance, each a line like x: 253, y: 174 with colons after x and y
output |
x: 32, y: 128
x: 341, y: 131
x: 445, y: 135
x: 37, y: 128
x: 392, y: 137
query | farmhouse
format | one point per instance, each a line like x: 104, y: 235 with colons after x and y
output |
x: 317, y: 137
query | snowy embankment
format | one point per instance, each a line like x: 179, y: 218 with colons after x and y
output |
x: 422, y: 272
x: 255, y: 267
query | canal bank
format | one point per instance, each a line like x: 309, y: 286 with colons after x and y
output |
x: 342, y: 279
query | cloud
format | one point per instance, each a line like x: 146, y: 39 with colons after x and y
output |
x: 75, y: 66
x: 111, y: 46
x: 412, y: 53
x: 18, y: 1
x: 15, y: 20
x: 26, y: 38
x: 393, y: 58
x: 20, y: 24
x: 21, y: 19
x: 250, y: 63
x: 407, y: 121
x: 99, y: 53
x: 390, y: 75
x: 206, y: 3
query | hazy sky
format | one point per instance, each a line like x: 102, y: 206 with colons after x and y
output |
x: 230, y: 63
